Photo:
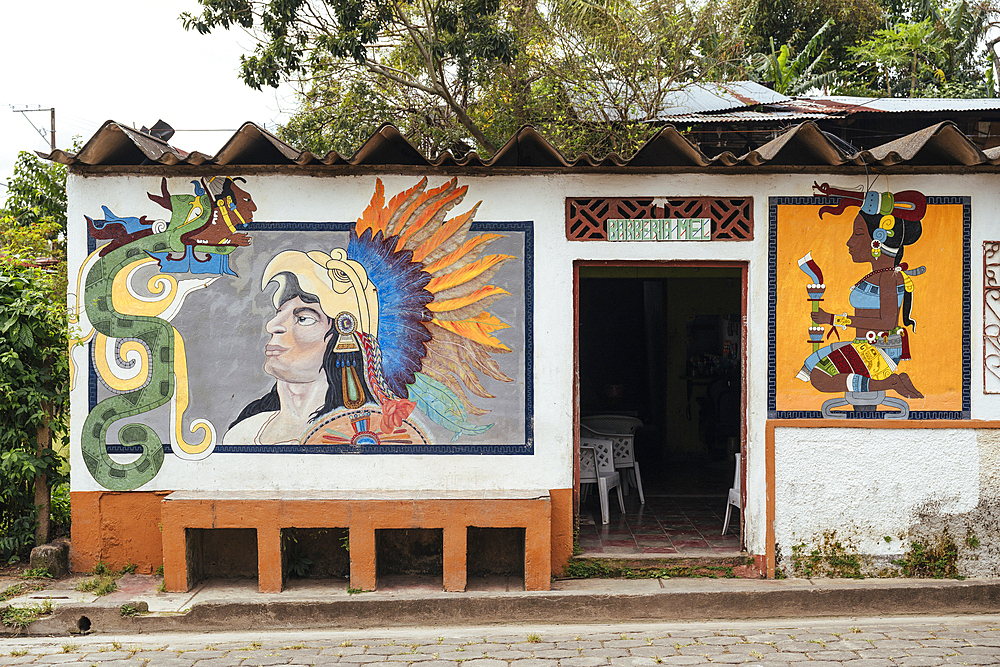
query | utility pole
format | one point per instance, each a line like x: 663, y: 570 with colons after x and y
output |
x: 52, y: 117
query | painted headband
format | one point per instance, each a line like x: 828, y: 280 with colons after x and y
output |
x: 341, y: 284
x: 907, y: 205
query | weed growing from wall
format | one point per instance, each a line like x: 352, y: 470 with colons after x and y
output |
x: 936, y: 561
x: 830, y: 559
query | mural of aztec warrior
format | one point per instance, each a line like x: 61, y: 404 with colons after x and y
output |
x: 885, y: 225
x: 368, y: 341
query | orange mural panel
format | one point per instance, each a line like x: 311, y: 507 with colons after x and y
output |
x: 842, y: 340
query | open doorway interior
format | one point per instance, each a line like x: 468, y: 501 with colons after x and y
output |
x: 663, y: 344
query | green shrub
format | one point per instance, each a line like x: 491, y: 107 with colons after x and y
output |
x: 99, y: 585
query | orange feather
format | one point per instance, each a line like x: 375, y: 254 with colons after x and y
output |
x: 463, y: 301
x: 461, y: 251
x: 478, y: 329
x: 396, y: 204
x: 465, y: 274
x: 373, y: 217
x: 446, y: 231
x: 432, y: 205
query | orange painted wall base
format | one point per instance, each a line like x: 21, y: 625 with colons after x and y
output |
x: 562, y: 528
x: 116, y: 528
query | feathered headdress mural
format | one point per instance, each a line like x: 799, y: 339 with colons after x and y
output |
x: 436, y: 334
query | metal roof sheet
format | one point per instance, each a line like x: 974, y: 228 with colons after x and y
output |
x: 706, y: 97
x: 804, y: 144
x: 850, y: 105
x: 742, y: 117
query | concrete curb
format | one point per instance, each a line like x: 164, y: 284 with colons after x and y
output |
x: 678, y: 600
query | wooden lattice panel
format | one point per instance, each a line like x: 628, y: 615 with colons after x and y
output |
x: 732, y: 217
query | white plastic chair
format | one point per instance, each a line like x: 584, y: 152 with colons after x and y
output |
x: 735, y: 497
x: 621, y: 431
x: 597, y: 467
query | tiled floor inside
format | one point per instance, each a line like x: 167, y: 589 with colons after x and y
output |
x: 665, y: 526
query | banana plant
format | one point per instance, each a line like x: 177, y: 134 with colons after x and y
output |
x: 796, y: 75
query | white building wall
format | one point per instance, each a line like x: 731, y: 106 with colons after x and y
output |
x: 827, y: 479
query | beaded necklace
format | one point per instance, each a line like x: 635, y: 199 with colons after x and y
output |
x: 875, y: 272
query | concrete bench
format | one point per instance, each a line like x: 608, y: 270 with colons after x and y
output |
x: 362, y: 513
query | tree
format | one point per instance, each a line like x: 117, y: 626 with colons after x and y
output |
x: 440, y: 49
x: 606, y: 67
x: 34, y: 392
x: 898, y: 56
x: 464, y: 74
x: 795, y: 76
x: 36, y: 192
x: 795, y: 22
x: 939, y: 52
x: 34, y: 395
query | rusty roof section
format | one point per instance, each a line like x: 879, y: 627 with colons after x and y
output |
x: 805, y: 144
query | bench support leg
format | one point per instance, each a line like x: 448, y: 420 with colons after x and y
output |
x: 538, y: 556
x: 454, y: 558
x: 269, y: 571
x: 362, y: 540
x: 175, y: 566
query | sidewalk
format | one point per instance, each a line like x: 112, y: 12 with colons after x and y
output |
x: 219, y: 605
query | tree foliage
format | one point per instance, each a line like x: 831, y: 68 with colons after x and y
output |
x: 798, y: 75
x: 36, y: 192
x: 464, y: 74
x: 605, y: 68
x: 34, y: 375
x: 930, y: 51
x: 443, y: 49
x: 591, y: 75
x: 795, y: 22
x: 34, y: 397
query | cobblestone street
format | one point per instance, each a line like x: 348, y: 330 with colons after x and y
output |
x: 909, y: 642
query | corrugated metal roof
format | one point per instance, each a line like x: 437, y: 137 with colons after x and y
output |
x: 832, y: 106
x: 742, y: 117
x: 805, y: 144
x: 849, y: 105
x: 707, y: 97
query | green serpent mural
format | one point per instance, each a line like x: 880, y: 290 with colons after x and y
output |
x: 147, y: 368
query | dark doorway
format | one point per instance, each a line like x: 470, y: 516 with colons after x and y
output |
x: 663, y: 343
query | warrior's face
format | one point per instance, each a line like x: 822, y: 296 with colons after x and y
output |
x: 298, y: 342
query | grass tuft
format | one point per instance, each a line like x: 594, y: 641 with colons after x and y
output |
x: 20, y: 618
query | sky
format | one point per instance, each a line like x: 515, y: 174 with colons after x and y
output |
x: 130, y: 61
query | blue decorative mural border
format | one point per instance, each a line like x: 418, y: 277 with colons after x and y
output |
x: 772, y: 301
x: 527, y: 448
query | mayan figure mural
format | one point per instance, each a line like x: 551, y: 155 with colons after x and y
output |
x: 400, y: 332
x: 868, y: 354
